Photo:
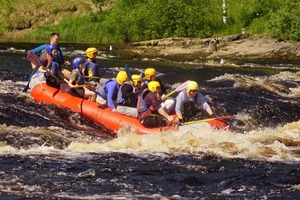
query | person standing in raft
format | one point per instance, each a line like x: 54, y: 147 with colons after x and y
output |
x: 108, y: 93
x: 77, y: 79
x: 54, y: 40
x: 190, y: 103
x: 157, y: 117
x: 150, y: 75
x: 128, y: 96
x: 52, y: 72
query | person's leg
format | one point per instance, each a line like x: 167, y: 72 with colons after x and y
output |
x: 168, y: 105
x: 101, y: 101
x: 154, y: 121
x: 90, y: 95
x: 130, y: 111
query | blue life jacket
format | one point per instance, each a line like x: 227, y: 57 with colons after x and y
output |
x: 104, y: 90
x: 80, y: 78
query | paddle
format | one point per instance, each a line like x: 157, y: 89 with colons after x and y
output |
x: 27, y: 86
x: 128, y: 72
x: 64, y: 87
x: 32, y: 57
x: 32, y: 73
x: 209, y: 119
x: 92, y: 77
x: 179, y: 88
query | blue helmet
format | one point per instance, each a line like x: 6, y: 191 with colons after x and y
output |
x: 76, y: 61
x: 49, y: 48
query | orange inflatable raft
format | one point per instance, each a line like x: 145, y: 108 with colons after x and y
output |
x: 41, y: 92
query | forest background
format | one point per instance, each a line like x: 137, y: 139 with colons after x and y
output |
x: 124, y: 21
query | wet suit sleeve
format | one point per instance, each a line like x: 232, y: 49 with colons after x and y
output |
x: 202, y: 101
x: 39, y: 49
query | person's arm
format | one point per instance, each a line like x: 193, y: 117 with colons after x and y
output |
x: 163, y: 113
x: 72, y: 79
x: 204, y: 104
x: 208, y: 108
x: 111, y: 86
x: 179, y: 105
x: 39, y: 49
x: 43, y: 70
x: 152, y: 100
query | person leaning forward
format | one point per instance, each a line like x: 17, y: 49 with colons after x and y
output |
x: 190, y: 103
x: 128, y: 96
x: 157, y: 117
x: 108, y: 93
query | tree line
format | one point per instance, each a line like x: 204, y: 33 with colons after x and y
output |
x: 138, y: 20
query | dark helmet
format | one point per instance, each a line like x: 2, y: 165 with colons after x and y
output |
x: 50, y: 48
x: 77, y: 61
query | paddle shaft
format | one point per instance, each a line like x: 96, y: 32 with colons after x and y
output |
x: 182, y: 86
x: 209, y: 119
x: 128, y: 72
x: 27, y: 86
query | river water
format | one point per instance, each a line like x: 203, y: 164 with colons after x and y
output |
x: 47, y: 152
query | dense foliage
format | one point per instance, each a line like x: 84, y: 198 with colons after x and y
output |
x: 137, y: 20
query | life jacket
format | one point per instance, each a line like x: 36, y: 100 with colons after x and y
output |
x: 142, y: 105
x: 104, y: 90
x: 191, y: 108
x: 59, y: 57
x: 131, y: 101
x: 92, y: 70
x: 79, y: 78
x: 53, y: 67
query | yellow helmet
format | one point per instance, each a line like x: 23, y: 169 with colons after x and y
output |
x: 90, y: 51
x: 149, y: 72
x: 192, y: 85
x: 121, y: 77
x: 153, y: 85
x: 136, y: 78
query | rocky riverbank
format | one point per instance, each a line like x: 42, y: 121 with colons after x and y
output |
x: 212, y: 50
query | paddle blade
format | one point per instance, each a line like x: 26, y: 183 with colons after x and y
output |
x: 32, y: 57
x: 128, y: 72
x: 182, y: 86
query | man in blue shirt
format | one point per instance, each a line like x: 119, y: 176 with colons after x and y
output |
x: 40, y: 50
